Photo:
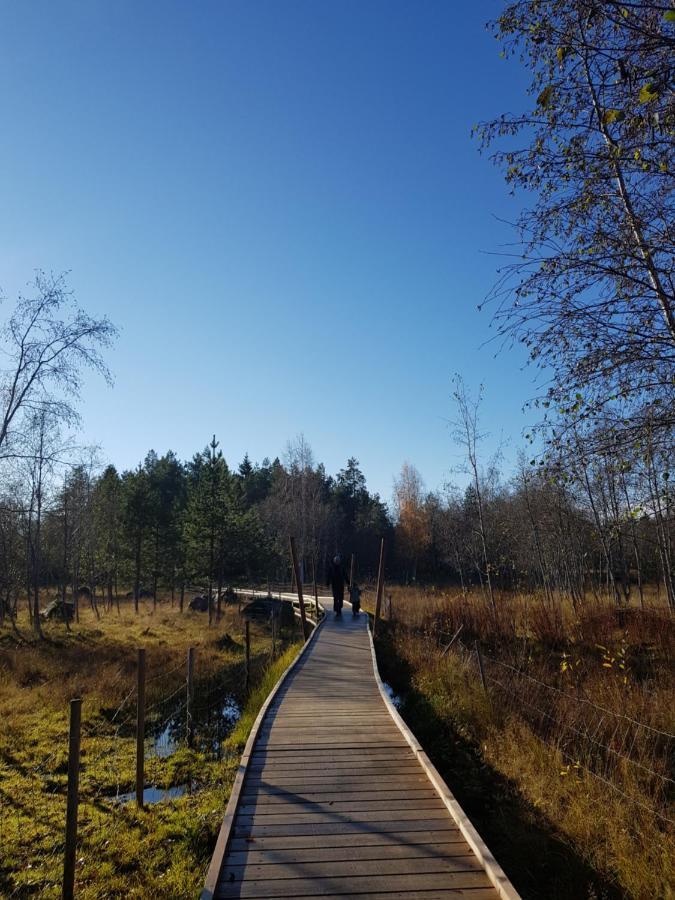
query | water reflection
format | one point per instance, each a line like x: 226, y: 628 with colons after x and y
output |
x: 152, y: 794
x: 212, y: 725
x: 394, y: 697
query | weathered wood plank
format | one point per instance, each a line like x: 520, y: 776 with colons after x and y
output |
x: 294, y: 815
x: 438, y: 894
x: 244, y: 827
x: 376, y: 753
x: 332, y: 868
x: 402, y: 837
x: 277, y: 796
x: 291, y: 808
x: 407, y: 851
x: 351, y: 886
x: 357, y: 780
x: 331, y: 737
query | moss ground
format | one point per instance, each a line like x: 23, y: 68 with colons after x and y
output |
x: 163, y: 850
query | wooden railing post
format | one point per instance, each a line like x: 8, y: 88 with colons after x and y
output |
x: 248, y: 655
x: 274, y: 633
x: 316, y: 590
x: 190, y: 696
x: 480, y: 666
x: 72, y: 802
x: 140, y: 729
x: 380, y: 588
x: 298, y: 582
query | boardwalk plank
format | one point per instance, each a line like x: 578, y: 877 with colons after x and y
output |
x: 351, y: 886
x: 438, y: 894
x: 291, y: 807
x: 244, y: 827
x: 332, y: 868
x: 406, y: 851
x: 276, y: 796
x: 403, y: 837
x: 358, y: 777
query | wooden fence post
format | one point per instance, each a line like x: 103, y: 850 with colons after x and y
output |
x: 190, y: 696
x: 316, y: 590
x: 480, y: 666
x: 72, y: 802
x: 248, y: 655
x: 352, y: 571
x: 140, y: 730
x: 452, y: 639
x: 298, y: 582
x: 380, y: 588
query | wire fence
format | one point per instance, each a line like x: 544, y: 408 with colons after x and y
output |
x: 185, y: 709
x: 631, y: 757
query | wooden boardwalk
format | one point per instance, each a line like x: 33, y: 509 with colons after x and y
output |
x: 335, y: 802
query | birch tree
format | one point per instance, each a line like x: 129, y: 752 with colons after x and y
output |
x: 591, y: 290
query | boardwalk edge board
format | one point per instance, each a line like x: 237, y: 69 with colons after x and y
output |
x: 213, y: 874
x: 492, y: 868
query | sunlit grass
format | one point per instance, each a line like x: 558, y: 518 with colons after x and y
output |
x: 163, y: 850
x: 595, y: 654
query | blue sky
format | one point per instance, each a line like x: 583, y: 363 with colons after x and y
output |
x: 280, y: 206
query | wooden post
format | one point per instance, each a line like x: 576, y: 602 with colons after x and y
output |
x: 391, y: 609
x: 316, y: 590
x: 140, y: 730
x: 71, y: 808
x: 480, y: 666
x: 248, y: 655
x: 190, y: 696
x: 380, y: 588
x: 452, y: 639
x: 352, y: 571
x: 298, y: 582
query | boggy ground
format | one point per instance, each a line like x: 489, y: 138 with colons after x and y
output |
x: 552, y: 805
x: 162, y: 851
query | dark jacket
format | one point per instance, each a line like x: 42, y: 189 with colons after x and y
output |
x: 336, y: 577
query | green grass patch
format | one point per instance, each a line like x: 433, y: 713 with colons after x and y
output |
x: 162, y: 851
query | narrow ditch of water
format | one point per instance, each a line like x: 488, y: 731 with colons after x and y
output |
x: 395, y: 698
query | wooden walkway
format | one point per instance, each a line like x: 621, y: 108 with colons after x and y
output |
x: 334, y: 800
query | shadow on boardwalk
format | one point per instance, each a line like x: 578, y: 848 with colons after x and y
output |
x: 538, y: 861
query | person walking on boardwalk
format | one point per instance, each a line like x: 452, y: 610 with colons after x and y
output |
x: 336, y: 577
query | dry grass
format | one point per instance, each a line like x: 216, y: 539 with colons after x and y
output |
x: 559, y: 725
x: 161, y: 851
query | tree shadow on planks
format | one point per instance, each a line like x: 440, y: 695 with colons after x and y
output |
x: 539, y: 861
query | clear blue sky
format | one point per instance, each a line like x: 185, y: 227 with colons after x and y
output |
x: 279, y: 205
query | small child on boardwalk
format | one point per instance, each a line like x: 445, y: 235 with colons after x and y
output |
x: 355, y: 599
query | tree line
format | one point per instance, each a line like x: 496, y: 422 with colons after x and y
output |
x: 167, y: 525
x: 590, y: 524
